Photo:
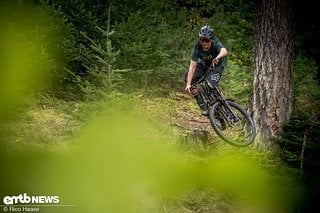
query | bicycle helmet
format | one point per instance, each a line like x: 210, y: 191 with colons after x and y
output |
x: 206, y: 31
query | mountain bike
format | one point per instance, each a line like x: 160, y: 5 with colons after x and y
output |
x: 230, y: 121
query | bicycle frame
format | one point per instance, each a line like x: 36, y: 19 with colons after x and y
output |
x: 229, y: 120
x: 224, y: 103
x: 211, y: 95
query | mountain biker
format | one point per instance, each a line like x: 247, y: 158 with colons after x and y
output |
x: 208, y: 50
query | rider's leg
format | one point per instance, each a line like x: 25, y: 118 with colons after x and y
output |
x: 200, y: 71
x: 215, y: 75
x: 202, y: 105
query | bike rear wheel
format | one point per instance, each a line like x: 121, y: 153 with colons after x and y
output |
x: 236, y: 127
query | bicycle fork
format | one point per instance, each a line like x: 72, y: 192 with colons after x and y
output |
x: 228, y: 113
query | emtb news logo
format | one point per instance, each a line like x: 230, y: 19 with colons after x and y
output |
x: 26, y: 199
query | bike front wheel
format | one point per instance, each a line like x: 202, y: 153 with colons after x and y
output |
x: 232, y: 123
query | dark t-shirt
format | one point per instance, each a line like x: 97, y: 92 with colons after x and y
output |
x: 205, y: 57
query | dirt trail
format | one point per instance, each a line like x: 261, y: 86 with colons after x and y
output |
x: 188, y: 120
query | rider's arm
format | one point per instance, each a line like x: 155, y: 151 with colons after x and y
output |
x: 222, y: 50
x: 192, y: 69
x: 223, y: 53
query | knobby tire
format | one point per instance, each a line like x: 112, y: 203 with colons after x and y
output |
x: 228, y: 130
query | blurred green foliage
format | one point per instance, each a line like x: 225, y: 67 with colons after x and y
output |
x: 121, y: 162
x: 30, y: 59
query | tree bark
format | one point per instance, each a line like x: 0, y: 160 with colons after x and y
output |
x: 272, y: 96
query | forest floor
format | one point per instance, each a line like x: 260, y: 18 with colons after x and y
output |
x: 187, y: 124
x: 53, y: 125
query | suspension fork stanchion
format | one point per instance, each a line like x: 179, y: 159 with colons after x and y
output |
x: 225, y: 103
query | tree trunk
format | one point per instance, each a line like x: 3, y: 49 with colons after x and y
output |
x: 272, y: 97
